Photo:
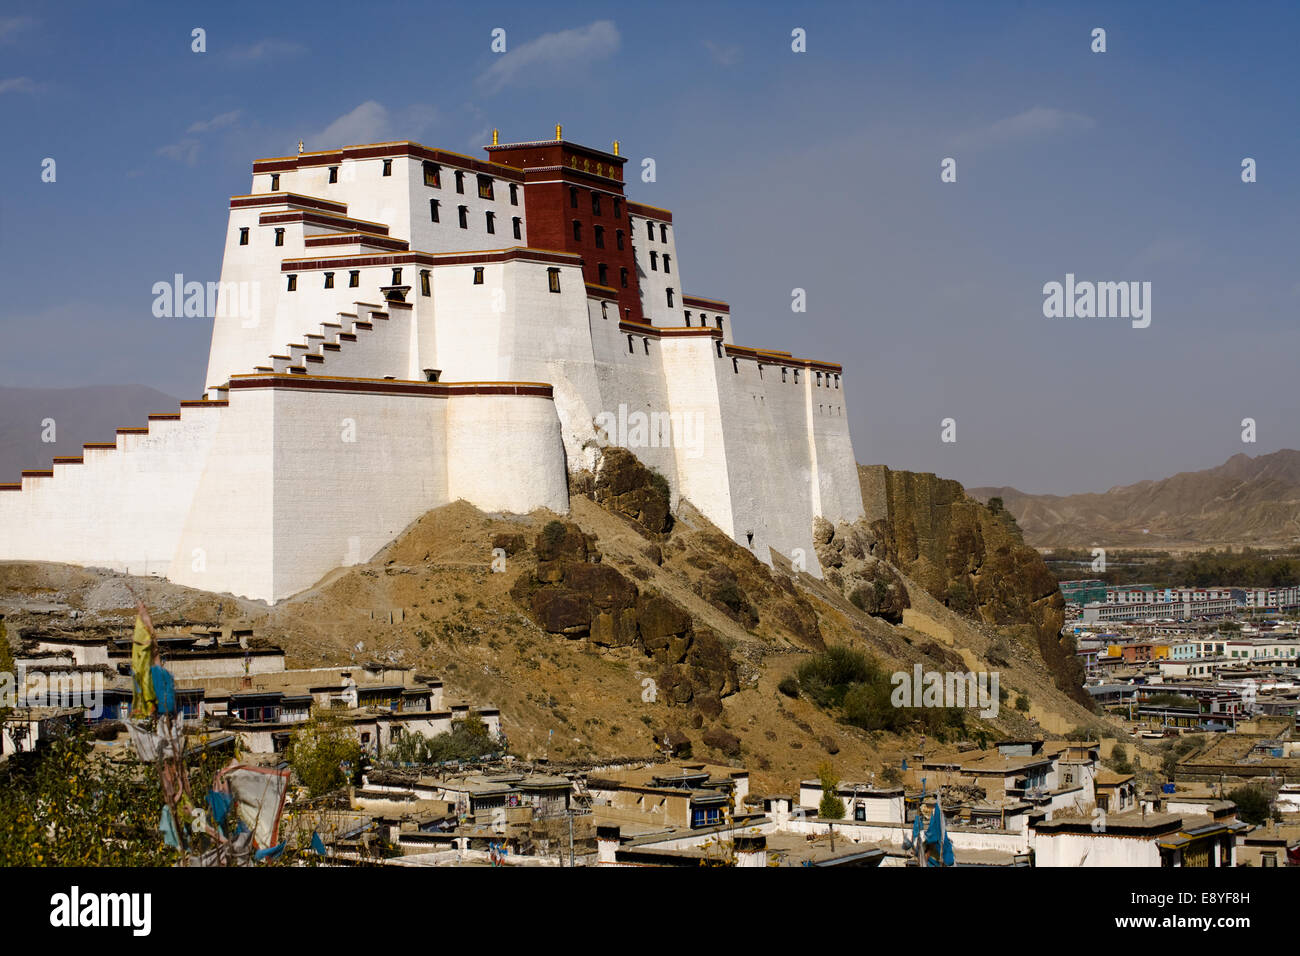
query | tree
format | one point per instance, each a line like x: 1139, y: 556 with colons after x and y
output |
x: 318, y: 750
x: 1252, y: 803
x: 1119, y: 759
x: 831, y: 807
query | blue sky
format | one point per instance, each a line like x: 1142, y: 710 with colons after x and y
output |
x: 817, y: 170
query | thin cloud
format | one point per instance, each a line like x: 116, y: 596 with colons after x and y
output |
x: 552, y: 52
x: 1033, y: 123
x: 371, y: 122
x: 265, y: 50
x: 724, y: 55
x: 19, y: 84
x: 219, y: 121
x: 11, y: 25
x: 185, y: 151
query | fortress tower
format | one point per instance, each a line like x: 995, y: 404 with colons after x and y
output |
x: 399, y: 327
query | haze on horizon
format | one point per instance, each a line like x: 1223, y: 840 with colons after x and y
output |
x: 816, y: 170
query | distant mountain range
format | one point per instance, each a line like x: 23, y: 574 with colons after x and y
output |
x: 1244, y: 501
x: 87, y: 414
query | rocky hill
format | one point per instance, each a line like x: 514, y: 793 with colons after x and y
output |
x: 616, y: 627
x: 1243, y: 502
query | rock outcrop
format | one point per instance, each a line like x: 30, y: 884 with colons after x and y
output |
x: 973, y: 560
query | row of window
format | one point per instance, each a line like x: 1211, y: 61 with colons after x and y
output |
x: 650, y: 231
x: 654, y: 262
x: 354, y: 279
x: 462, y: 215
x: 704, y: 320
x: 598, y: 235
x: 433, y: 178
x: 596, y: 202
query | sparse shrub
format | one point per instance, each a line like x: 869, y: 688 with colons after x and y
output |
x: 789, y: 686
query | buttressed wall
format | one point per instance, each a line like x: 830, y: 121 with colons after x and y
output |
x: 386, y: 341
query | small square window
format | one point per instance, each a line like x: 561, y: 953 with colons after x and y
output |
x: 433, y: 210
x: 491, y: 219
x: 397, y: 277
x: 279, y: 237
x: 243, y: 236
x: 433, y: 175
x: 334, y: 174
x: 329, y: 280
x: 293, y: 284
x: 514, y: 194
x: 388, y: 167
x: 464, y: 216
x: 354, y: 279
x: 553, y: 279
x: 485, y: 187
x: 275, y: 182
x: 460, y: 181
x: 519, y: 228
x: 424, y: 282
x: 670, y: 297
x: 478, y: 275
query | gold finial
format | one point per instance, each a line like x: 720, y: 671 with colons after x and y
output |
x: 615, y: 147
x: 300, y: 147
x: 494, y: 137
x: 559, y: 132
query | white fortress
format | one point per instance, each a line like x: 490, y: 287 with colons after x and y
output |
x: 399, y: 327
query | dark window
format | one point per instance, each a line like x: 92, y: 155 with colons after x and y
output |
x: 478, y: 275
x: 719, y: 321
x: 688, y: 318
x: 595, y: 204
x: 668, y: 261
x: 577, y: 230
x: 433, y: 210
x: 622, y: 277
x: 718, y: 346
x: 663, y: 232
x: 424, y: 282
x: 618, y: 208
x: 783, y: 371
x: 243, y: 236
x: 600, y: 236
x: 388, y: 167
x: 650, y: 230
x: 645, y: 344
x: 604, y: 310
x: 519, y: 228
x: 293, y: 284
x: 735, y: 366
x: 604, y: 273
x: 514, y: 194
x: 397, y: 277
x: 553, y: 279
x: 491, y: 223
x: 460, y: 181
x: 631, y: 346
x: 354, y: 279
x: 433, y: 175
x: 464, y: 216
x: 670, y: 297
x: 329, y: 280
x: 485, y: 187
x: 654, y: 262
x: 619, y: 237
x: 279, y: 237
x: 573, y: 197
x: 275, y: 181
x: 334, y: 174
